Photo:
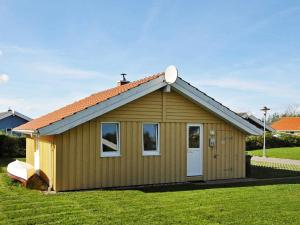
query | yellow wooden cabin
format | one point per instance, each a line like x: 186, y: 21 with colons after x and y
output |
x: 150, y: 131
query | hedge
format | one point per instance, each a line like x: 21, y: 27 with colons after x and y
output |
x: 11, y: 146
x: 272, y: 141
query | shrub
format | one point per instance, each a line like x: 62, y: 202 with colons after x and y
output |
x: 11, y: 146
x: 272, y: 141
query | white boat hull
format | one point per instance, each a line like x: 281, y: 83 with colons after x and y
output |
x: 20, y: 170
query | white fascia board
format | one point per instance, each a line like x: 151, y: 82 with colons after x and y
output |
x: 215, y: 107
x: 103, y: 107
x: 24, y: 131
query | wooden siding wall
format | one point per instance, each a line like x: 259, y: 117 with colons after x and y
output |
x: 227, y: 159
x: 47, y: 153
x: 47, y: 156
x: 30, y: 150
x: 79, y: 165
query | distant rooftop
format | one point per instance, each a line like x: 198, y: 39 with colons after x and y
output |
x: 11, y: 112
x: 255, y: 121
x: 287, y: 124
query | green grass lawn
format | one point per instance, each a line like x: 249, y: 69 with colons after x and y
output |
x: 182, y: 204
x: 284, y: 153
x: 267, y: 203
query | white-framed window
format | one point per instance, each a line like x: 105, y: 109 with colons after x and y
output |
x: 8, y: 131
x: 150, y: 139
x: 110, y: 139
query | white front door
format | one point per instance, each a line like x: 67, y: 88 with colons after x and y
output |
x: 37, y: 155
x: 194, y: 150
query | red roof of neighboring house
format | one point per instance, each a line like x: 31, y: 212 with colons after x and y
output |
x: 287, y: 124
x: 82, y: 104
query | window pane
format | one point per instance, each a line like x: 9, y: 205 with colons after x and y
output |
x: 110, y: 132
x: 150, y: 137
x: 194, y: 137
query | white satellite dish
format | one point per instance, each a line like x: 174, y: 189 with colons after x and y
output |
x: 171, y: 74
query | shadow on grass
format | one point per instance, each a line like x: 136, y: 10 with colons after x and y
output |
x: 261, y: 176
x: 195, y: 186
x: 263, y: 172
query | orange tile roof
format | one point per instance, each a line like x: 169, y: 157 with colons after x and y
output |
x: 82, y: 104
x: 287, y: 124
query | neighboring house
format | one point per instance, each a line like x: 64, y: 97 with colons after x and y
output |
x: 11, y: 119
x: 289, y: 125
x: 143, y: 132
x: 256, y: 122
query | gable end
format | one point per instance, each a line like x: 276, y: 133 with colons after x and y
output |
x: 212, y: 105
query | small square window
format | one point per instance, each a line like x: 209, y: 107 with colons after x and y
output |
x: 110, y: 139
x: 151, y: 139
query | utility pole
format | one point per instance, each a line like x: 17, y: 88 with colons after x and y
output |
x: 265, y: 110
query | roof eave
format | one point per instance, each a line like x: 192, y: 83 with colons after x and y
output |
x: 25, y: 131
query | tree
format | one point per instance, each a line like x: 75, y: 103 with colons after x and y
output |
x: 292, y: 111
x: 273, y: 118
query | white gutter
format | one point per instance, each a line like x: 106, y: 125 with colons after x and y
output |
x: 31, y: 132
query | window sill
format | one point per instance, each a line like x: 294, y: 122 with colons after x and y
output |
x: 107, y: 155
x: 151, y: 153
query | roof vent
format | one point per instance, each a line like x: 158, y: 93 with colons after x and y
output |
x: 123, y: 81
x: 9, y: 110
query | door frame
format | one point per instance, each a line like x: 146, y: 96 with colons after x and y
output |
x: 201, y: 147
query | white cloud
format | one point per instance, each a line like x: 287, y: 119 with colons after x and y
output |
x: 1, y: 53
x: 3, y: 78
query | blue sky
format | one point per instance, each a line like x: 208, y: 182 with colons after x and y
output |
x: 246, y: 54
